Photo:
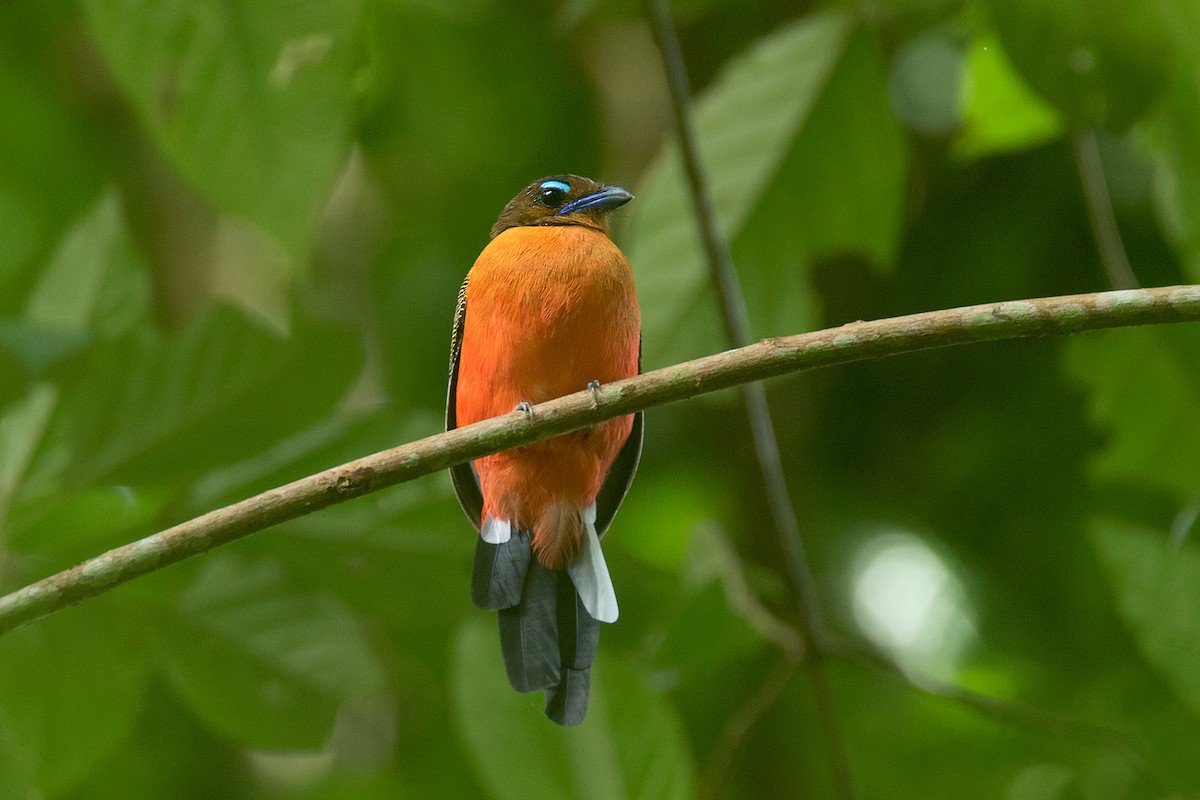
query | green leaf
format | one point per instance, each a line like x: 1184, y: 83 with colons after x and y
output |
x: 94, y: 280
x: 1145, y: 393
x: 250, y: 100
x: 29, y: 347
x: 1041, y: 782
x: 1097, y: 61
x: 142, y: 408
x: 411, y: 536
x: 342, y: 436
x: 264, y: 664
x: 70, y: 689
x: 839, y: 190
x: 1174, y: 139
x: 1001, y: 113
x: 51, y: 163
x: 93, y: 286
x: 630, y: 746
x: 745, y: 123
x: 1157, y: 588
x: 80, y: 525
x: 927, y: 83
x: 805, y: 160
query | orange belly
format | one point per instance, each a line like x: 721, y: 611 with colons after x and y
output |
x: 549, y: 309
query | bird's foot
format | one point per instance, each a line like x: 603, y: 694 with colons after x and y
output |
x: 526, y: 408
x: 594, y: 388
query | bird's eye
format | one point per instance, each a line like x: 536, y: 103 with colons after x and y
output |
x: 552, y: 194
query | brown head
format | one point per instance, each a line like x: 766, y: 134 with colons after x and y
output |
x: 562, y: 200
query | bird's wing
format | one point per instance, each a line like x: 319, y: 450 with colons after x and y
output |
x: 620, y: 474
x: 466, y: 485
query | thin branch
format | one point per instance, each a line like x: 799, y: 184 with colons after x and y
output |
x: 1100, y: 211
x: 856, y: 341
x: 720, y: 763
x: 736, y: 320
x: 742, y: 599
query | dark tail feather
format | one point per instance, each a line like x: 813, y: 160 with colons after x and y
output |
x: 567, y: 703
x: 578, y: 635
x: 499, y: 573
x: 529, y: 632
x: 546, y: 635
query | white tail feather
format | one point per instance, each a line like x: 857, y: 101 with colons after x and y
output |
x: 496, y: 531
x: 589, y: 573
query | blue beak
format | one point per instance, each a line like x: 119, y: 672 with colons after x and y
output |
x: 609, y: 197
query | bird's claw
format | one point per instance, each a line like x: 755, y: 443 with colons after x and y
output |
x: 525, y: 408
x: 594, y: 388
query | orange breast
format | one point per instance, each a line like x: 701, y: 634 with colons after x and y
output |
x: 549, y: 308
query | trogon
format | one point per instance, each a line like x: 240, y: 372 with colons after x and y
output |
x: 547, y: 309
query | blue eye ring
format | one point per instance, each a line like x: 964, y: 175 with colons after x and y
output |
x: 552, y: 194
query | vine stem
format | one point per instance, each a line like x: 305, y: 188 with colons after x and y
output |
x: 1103, y: 220
x: 856, y: 341
x: 736, y: 321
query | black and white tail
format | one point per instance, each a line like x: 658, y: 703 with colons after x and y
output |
x: 549, y: 619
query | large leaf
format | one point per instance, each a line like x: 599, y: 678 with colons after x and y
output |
x: 1145, y: 394
x: 367, y: 549
x: 144, y: 408
x: 249, y: 99
x: 745, y: 124
x: 92, y: 287
x: 630, y: 746
x: 78, y: 525
x: 1157, y: 587
x: 1175, y: 144
x: 51, y: 160
x: 263, y: 663
x: 1097, y: 61
x: 94, y: 281
x: 840, y: 189
x: 1001, y: 113
x: 412, y: 535
x: 70, y: 690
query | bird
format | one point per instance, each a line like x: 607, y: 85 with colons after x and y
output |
x: 547, y: 309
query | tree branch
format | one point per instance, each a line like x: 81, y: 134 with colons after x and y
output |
x: 768, y: 358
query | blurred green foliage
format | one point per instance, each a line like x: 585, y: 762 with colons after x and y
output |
x: 231, y: 235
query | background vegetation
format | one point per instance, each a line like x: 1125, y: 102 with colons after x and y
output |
x: 231, y: 235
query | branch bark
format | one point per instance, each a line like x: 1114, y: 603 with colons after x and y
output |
x: 769, y: 358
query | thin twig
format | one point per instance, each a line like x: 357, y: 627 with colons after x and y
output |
x: 856, y: 341
x: 1100, y: 211
x: 736, y: 320
x: 742, y: 599
x: 716, y: 772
